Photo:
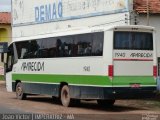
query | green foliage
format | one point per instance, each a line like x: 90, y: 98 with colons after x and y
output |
x: 1, y: 77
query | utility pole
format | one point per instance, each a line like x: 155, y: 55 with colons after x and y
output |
x: 147, y: 2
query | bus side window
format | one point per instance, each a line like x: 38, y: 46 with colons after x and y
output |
x: 10, y: 59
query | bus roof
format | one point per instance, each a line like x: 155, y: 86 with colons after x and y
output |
x: 72, y: 31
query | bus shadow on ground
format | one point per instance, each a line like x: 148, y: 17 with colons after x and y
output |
x: 90, y: 105
x: 115, y: 108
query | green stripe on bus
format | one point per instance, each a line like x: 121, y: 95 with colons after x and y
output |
x: 85, y: 79
x: 125, y: 80
x: 71, y: 79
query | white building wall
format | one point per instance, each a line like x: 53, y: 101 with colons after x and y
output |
x: 50, y: 27
x: 154, y: 20
x: 31, y: 17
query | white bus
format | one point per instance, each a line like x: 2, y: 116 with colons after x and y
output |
x: 99, y: 63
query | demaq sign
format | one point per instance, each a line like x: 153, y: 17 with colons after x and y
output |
x: 48, y: 12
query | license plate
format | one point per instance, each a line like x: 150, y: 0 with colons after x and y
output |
x: 135, y: 85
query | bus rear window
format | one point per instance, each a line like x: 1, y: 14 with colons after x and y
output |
x: 133, y: 41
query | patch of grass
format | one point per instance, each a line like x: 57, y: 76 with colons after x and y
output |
x: 153, y: 102
x: 1, y: 77
x: 157, y: 103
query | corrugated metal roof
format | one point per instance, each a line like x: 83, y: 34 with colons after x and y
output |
x: 5, y: 18
x: 140, y: 6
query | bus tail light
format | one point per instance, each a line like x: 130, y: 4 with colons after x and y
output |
x: 155, y: 71
x: 110, y: 71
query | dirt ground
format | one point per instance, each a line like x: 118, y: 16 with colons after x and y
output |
x: 122, y: 110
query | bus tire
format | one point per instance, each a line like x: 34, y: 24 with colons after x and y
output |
x: 20, y: 91
x: 106, y: 103
x: 65, y: 96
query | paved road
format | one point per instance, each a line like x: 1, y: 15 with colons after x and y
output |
x: 123, y: 109
x: 7, y: 110
x: 9, y: 113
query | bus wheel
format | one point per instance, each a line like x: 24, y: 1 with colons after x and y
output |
x: 65, y: 96
x: 20, y: 91
x: 106, y: 103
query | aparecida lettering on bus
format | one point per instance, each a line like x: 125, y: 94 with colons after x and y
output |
x: 32, y: 66
x: 138, y: 55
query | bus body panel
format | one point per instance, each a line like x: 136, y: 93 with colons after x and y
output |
x: 133, y: 68
x: 134, y: 59
x: 8, y: 82
x: 88, y: 76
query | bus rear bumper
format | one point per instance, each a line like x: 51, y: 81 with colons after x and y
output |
x: 88, y: 92
x: 133, y: 93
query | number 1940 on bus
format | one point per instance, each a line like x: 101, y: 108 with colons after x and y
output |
x: 120, y: 54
